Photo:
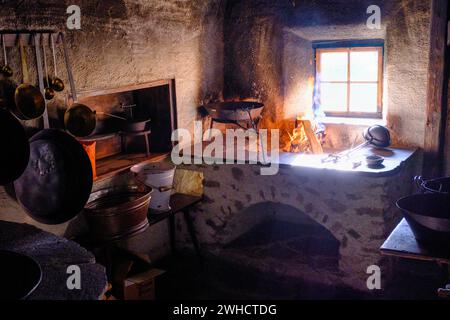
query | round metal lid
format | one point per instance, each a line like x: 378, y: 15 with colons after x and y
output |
x: 58, y: 180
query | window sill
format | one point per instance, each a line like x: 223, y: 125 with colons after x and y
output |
x: 353, y: 121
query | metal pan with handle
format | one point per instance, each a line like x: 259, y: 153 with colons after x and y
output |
x: 29, y: 101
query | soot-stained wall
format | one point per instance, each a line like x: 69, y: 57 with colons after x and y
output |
x: 269, y: 55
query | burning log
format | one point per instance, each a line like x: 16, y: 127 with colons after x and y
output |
x: 304, y: 139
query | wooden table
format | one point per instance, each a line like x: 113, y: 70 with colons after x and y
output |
x: 178, y: 203
x: 402, y: 243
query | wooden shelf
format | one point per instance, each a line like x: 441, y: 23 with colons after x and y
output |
x: 111, y: 166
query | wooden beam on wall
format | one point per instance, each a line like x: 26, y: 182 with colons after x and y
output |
x: 436, y: 109
x: 447, y: 125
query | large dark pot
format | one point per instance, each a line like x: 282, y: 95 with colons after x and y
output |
x: 118, y: 212
x: 20, y: 275
x: 441, y: 185
x: 428, y: 215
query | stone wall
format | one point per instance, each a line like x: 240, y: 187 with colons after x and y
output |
x: 359, y: 211
x: 276, y: 59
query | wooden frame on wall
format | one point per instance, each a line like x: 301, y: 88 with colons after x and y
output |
x: 348, y: 47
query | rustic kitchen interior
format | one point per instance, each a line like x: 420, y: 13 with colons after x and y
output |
x: 346, y: 100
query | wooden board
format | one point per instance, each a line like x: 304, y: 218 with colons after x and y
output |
x: 178, y: 202
x: 109, y: 167
x: 402, y: 243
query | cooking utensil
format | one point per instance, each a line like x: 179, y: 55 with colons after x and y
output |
x: 428, y: 216
x: 374, y: 161
x: 15, y: 148
x: 135, y: 125
x: 118, y: 212
x: 80, y: 120
x: 159, y: 176
x: 20, y: 275
x: 440, y: 185
x: 234, y: 111
x: 49, y: 92
x: 58, y: 180
x: 5, y: 69
x: 29, y: 101
x: 56, y: 83
x: 377, y: 136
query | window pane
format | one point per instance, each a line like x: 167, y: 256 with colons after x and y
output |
x: 334, y: 66
x: 333, y: 96
x: 363, y: 97
x: 364, y: 66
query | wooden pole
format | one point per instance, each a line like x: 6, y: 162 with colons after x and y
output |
x: 436, y: 108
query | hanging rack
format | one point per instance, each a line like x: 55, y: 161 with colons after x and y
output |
x: 35, y: 39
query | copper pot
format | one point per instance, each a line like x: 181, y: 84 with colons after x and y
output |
x: 118, y: 212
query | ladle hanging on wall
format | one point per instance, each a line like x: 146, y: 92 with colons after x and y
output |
x: 49, y: 92
x: 56, y: 83
x: 29, y: 101
x: 5, y: 69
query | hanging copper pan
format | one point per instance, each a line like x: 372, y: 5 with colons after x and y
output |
x: 80, y: 120
x: 29, y: 101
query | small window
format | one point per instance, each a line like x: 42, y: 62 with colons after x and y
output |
x: 350, y: 81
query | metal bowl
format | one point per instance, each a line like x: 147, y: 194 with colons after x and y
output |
x: 374, y: 161
x: 118, y: 212
x: 135, y: 125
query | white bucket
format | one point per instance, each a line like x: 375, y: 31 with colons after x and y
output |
x: 159, y: 176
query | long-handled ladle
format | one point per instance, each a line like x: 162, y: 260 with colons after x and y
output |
x: 56, y: 83
x: 5, y: 70
x: 49, y: 92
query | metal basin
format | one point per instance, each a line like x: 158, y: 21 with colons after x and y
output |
x: 118, y: 212
x: 20, y: 275
x: 428, y: 216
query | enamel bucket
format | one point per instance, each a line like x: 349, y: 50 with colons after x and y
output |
x: 159, y: 176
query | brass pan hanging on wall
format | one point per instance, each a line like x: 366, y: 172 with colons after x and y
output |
x: 29, y: 101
